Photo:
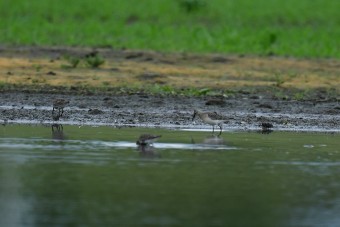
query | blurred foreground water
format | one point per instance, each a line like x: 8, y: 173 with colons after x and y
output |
x: 98, y: 176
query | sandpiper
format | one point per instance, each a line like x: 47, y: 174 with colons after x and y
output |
x: 146, y: 139
x: 55, y: 116
x: 59, y: 104
x: 209, y: 118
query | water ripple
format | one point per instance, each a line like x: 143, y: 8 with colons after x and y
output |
x: 51, y: 144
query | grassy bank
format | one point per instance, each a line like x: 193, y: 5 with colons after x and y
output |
x: 301, y: 28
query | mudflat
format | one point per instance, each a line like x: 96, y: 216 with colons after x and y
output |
x: 142, y: 88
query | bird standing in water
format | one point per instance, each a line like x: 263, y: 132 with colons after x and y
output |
x: 209, y: 118
x: 146, y: 139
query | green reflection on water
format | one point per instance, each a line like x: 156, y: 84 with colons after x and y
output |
x: 96, y: 176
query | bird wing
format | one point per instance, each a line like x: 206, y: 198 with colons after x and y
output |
x: 216, y: 116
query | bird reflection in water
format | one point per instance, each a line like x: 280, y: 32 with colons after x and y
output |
x: 214, y: 140
x: 145, y: 145
x: 211, y: 140
x: 147, y: 151
x: 58, y: 132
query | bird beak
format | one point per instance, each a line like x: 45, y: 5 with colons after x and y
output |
x: 193, y: 117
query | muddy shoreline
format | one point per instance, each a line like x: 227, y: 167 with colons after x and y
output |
x: 291, y: 94
x: 243, y: 112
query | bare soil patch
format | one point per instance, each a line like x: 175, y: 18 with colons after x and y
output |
x: 34, y: 66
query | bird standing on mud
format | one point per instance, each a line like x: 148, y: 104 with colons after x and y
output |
x: 209, y: 118
x: 59, y: 104
x: 146, y: 139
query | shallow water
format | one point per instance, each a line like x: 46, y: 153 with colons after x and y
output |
x: 97, y: 176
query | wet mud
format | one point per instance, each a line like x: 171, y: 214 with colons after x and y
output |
x: 289, y: 94
x: 244, y: 112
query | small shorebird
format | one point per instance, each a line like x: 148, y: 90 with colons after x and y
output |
x: 59, y: 104
x: 209, y: 118
x: 55, y: 116
x: 146, y: 139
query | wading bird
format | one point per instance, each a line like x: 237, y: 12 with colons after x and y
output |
x: 146, y: 139
x: 210, y: 119
x: 59, y: 104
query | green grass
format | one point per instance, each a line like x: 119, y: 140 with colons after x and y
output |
x: 301, y: 28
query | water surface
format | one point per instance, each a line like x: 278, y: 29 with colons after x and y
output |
x: 97, y: 176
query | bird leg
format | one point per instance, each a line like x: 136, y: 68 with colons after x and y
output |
x: 60, y: 111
